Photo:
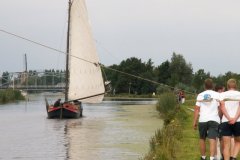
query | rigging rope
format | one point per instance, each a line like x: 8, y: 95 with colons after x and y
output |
x: 43, y: 45
x: 101, y: 65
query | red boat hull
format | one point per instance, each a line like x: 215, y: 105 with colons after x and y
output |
x: 66, y: 110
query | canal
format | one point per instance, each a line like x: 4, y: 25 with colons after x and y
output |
x: 112, y: 130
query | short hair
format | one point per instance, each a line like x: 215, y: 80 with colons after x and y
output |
x: 208, y: 84
x: 232, y: 84
x: 219, y: 87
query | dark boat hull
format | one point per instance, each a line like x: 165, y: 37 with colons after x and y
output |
x: 66, y: 110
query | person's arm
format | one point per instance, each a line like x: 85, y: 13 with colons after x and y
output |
x: 234, y: 120
x: 196, y: 115
x: 224, y: 111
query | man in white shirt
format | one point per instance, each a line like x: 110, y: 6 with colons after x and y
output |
x: 230, y: 107
x: 207, y: 110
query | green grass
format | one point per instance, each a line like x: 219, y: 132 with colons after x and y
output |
x: 189, y: 143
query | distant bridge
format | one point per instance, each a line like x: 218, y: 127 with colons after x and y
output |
x: 33, y: 81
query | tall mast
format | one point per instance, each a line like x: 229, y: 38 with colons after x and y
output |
x: 25, y: 62
x: 67, y: 56
x: 26, y: 70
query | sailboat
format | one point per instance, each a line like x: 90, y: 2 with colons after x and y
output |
x: 84, y: 81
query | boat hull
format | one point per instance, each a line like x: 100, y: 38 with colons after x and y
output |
x: 66, y: 110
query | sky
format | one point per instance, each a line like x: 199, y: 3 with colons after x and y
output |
x: 205, y: 32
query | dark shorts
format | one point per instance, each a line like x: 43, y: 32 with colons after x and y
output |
x: 230, y: 129
x: 208, y: 129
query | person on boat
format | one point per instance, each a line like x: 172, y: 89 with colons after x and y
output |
x: 206, y: 110
x: 230, y: 126
x: 57, y: 103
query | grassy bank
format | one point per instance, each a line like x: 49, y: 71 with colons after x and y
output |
x: 177, y: 140
x: 189, y: 149
x: 10, y: 95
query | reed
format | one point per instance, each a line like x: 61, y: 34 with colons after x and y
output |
x: 10, y: 95
x: 167, y: 106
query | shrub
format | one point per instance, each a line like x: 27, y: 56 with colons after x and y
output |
x: 10, y: 95
x: 167, y: 104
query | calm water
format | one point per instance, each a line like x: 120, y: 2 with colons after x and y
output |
x: 108, y: 131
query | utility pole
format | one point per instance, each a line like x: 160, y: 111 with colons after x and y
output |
x: 129, y: 89
x: 13, y: 82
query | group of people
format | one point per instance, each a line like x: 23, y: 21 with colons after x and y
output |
x: 216, y: 115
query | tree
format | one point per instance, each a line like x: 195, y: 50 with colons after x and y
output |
x: 181, y: 71
x: 123, y: 83
x: 199, y: 78
x: 163, y: 72
x: 133, y: 66
x: 5, y: 79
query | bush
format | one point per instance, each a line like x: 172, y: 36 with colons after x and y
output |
x: 10, y: 95
x: 167, y: 104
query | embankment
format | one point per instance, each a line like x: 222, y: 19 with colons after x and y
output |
x: 176, y: 140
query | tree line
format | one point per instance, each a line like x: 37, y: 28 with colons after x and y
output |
x: 175, y: 73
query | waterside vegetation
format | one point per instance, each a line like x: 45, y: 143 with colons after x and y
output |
x: 165, y: 143
x: 10, y: 95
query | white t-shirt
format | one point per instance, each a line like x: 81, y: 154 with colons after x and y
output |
x: 231, y: 106
x: 208, y: 110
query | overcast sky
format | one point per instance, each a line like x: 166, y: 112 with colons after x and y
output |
x: 205, y: 32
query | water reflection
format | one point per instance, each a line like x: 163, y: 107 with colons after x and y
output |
x: 106, y: 132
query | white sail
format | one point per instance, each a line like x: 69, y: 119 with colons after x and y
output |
x: 85, y: 78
